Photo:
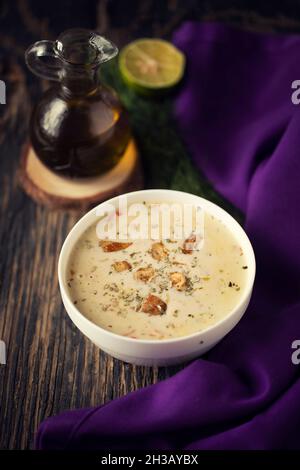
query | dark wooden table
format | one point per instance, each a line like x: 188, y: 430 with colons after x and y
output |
x: 50, y: 365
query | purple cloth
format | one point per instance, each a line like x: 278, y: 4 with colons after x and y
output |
x: 237, y: 119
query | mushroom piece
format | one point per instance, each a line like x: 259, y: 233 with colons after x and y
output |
x: 178, y: 280
x: 109, y: 246
x: 153, y: 305
x: 120, y: 266
x: 144, y: 274
x: 159, y: 251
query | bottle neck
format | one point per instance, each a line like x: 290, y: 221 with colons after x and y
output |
x: 77, y: 81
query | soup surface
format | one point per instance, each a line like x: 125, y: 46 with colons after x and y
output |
x: 157, y: 289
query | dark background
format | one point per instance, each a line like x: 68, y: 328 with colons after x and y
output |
x: 24, y: 21
x: 50, y: 365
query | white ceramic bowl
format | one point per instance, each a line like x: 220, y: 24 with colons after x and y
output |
x: 157, y: 352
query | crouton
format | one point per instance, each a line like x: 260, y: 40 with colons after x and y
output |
x: 144, y: 274
x: 153, y: 305
x: 109, y: 246
x: 159, y: 251
x: 120, y: 266
x: 189, y: 245
x: 178, y: 280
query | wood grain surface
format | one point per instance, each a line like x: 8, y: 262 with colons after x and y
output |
x: 50, y: 365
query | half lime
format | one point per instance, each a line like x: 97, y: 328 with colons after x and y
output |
x: 151, y: 65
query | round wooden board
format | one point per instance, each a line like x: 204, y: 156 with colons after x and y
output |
x: 57, y: 192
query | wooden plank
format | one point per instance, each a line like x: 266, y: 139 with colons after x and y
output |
x: 51, y: 366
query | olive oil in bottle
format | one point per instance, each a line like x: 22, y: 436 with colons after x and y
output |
x: 79, y: 127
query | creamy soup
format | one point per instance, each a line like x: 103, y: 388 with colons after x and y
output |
x: 157, y: 289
